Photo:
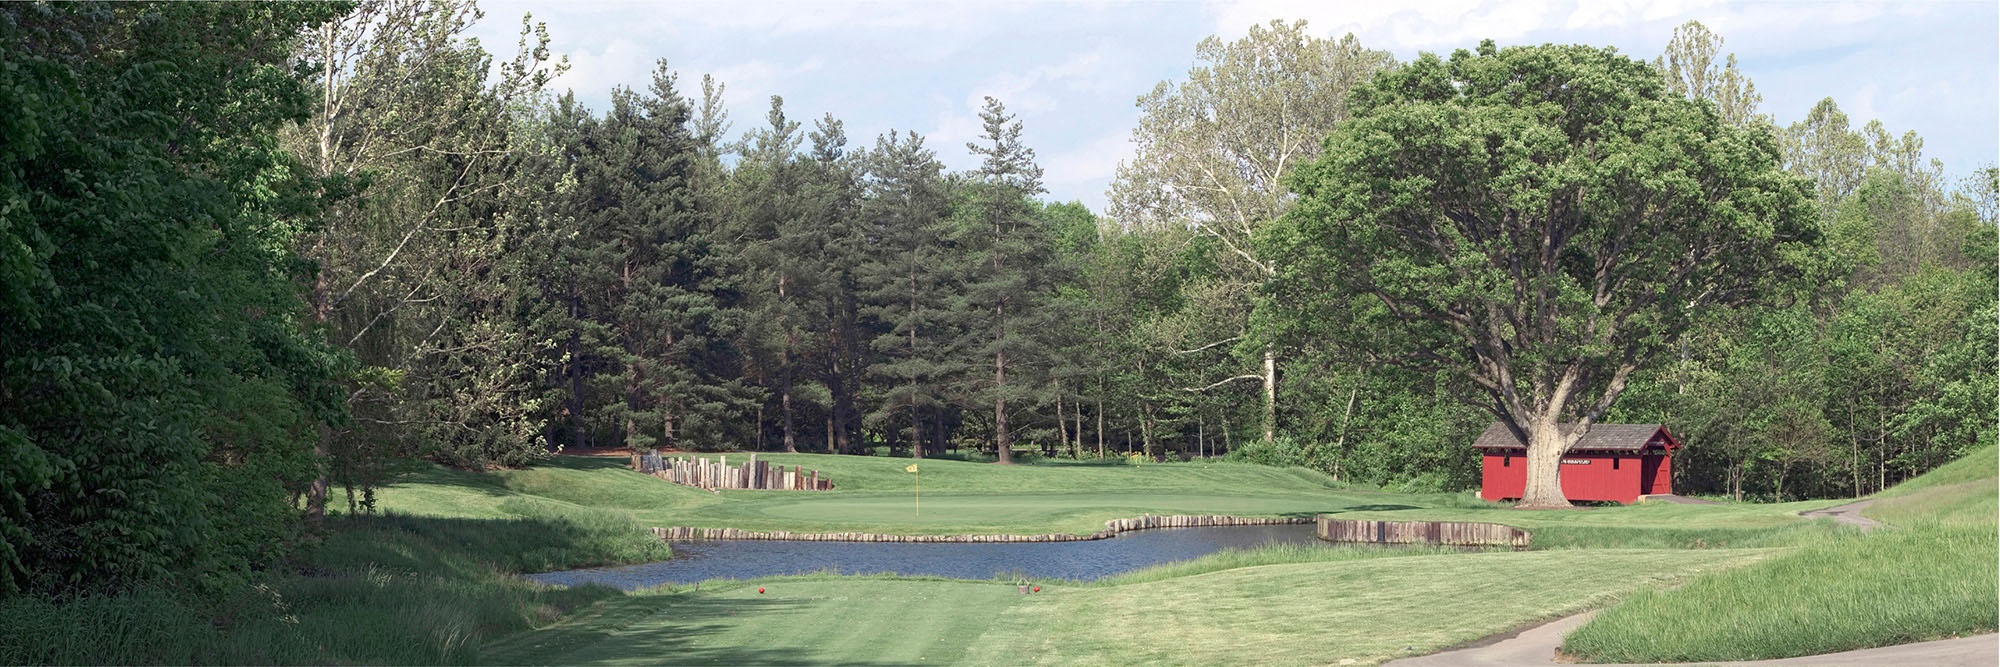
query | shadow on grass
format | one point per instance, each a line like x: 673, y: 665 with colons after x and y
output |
x: 662, y: 629
x: 463, y: 547
x: 455, y: 478
x: 586, y: 462
x: 1375, y: 508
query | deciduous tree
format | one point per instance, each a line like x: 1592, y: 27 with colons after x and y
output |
x: 1542, y: 219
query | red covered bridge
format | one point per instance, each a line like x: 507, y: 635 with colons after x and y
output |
x: 1616, y: 462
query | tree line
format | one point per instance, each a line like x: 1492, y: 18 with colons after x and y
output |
x: 267, y: 257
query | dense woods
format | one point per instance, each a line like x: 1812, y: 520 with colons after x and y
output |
x: 265, y: 257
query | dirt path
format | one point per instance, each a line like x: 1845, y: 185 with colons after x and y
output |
x: 1848, y: 514
x: 1537, y: 646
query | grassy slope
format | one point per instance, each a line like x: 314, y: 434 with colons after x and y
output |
x: 1930, y: 577
x: 383, y: 589
x: 1363, y: 604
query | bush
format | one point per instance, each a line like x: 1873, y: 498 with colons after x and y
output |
x: 1283, y: 452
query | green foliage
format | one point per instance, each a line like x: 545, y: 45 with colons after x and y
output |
x: 1522, y: 217
x: 155, y: 379
x: 1283, y: 452
x: 906, y: 293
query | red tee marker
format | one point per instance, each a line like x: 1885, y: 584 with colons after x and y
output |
x: 1038, y: 589
x: 760, y: 591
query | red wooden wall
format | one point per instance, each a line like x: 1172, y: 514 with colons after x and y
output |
x: 1585, y: 476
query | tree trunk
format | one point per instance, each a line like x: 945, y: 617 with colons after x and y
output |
x: 1062, y: 429
x: 1100, y: 428
x: 941, y: 441
x: 916, y: 428
x: 843, y: 405
x: 785, y: 405
x: 1146, y: 430
x: 1346, y: 418
x: 575, y: 367
x: 1077, y: 408
x: 1270, y: 395
x: 1546, y: 446
x: 1227, y: 445
x: 1736, y: 481
x: 830, y: 435
x: 1001, y: 438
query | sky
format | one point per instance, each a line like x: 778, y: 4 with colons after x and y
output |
x: 1072, y: 71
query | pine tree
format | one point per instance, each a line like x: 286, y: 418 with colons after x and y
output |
x: 830, y: 243
x: 1011, y: 247
x: 906, y: 285
x: 650, y: 278
x: 774, y: 246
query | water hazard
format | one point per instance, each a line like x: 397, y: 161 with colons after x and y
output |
x: 1083, y: 561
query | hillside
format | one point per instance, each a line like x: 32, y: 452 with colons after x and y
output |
x: 1929, y: 575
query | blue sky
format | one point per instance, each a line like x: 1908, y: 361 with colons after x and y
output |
x: 1072, y: 70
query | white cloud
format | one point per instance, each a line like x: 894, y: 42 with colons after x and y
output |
x: 1071, y: 69
x: 748, y: 87
x: 619, y: 62
x: 1094, y: 162
x: 1402, y: 27
x: 1038, y: 90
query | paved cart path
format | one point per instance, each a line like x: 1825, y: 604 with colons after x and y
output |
x: 1848, y: 514
x: 1537, y: 646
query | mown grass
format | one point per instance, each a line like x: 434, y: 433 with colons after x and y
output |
x: 379, y: 589
x: 875, y: 495
x: 1274, y: 554
x: 1276, y: 605
x: 1930, y: 576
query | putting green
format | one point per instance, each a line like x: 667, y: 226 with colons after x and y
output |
x: 875, y: 495
x: 1015, y: 508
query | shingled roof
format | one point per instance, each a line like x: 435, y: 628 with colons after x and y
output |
x: 1607, y: 437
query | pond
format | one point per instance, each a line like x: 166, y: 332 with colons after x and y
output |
x: 1082, y: 561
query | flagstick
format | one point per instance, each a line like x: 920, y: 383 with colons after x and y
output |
x: 920, y: 493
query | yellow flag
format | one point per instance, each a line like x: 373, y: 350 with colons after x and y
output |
x: 912, y: 468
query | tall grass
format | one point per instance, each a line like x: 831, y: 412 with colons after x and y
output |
x: 1889, y: 587
x: 1929, y: 576
x: 1747, y: 537
x: 379, y: 589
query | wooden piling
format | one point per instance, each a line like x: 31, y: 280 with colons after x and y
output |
x: 1448, y: 533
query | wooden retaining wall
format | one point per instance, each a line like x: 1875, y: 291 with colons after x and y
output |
x: 717, y: 475
x: 1111, y: 529
x: 1451, y: 533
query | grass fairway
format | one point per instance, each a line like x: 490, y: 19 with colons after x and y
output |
x: 1931, y: 576
x: 1368, y: 608
x: 874, y: 494
x: 1817, y: 588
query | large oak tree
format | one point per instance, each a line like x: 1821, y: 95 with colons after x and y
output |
x: 1542, y: 219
